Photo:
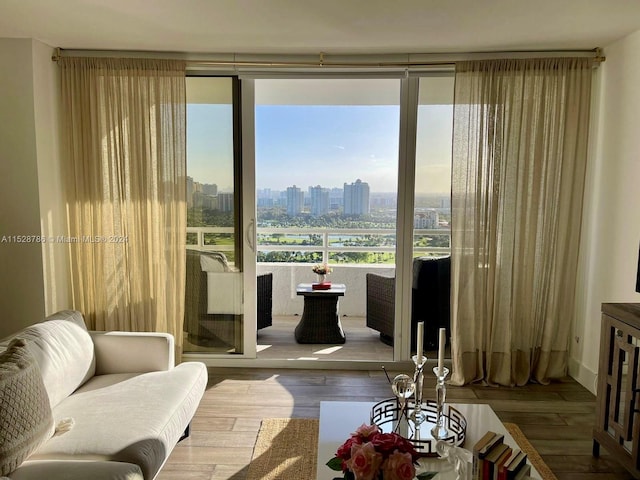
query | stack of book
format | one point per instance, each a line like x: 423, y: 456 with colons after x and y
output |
x: 495, y: 460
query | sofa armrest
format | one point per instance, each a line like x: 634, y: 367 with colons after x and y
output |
x: 133, y: 352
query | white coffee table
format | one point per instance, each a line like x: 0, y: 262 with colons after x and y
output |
x: 339, y: 419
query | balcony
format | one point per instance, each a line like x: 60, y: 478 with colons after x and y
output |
x: 307, y: 246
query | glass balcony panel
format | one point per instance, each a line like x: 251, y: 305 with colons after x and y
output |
x: 432, y: 211
x: 214, y: 310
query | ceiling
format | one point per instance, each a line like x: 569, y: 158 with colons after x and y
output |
x: 314, y: 26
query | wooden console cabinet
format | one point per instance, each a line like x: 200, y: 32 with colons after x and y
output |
x: 618, y: 403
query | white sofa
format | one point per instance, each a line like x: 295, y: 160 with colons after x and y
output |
x: 118, y: 404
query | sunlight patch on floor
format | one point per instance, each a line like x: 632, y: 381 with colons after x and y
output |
x: 327, y: 351
x: 262, y: 348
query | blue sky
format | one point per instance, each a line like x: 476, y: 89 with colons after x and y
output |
x: 320, y: 144
x: 326, y: 145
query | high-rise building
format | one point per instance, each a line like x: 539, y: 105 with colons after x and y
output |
x: 207, y: 202
x: 319, y: 200
x: 210, y: 189
x: 428, y: 219
x: 264, y: 193
x: 225, y: 202
x: 295, y: 201
x: 190, y: 191
x: 356, y: 198
x: 336, y: 198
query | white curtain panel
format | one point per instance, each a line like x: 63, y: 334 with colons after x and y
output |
x: 519, y: 161
x: 124, y: 128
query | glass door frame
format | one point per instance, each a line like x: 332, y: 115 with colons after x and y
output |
x: 244, y: 156
x: 404, y: 216
x: 406, y: 176
x: 248, y: 215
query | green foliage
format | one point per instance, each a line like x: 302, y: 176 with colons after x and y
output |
x: 362, y: 257
x: 192, y: 238
x: 426, y: 475
x: 431, y: 241
x: 335, y: 464
x: 290, y: 239
x: 199, y: 217
x: 276, y: 218
x: 290, y: 257
x: 269, y: 218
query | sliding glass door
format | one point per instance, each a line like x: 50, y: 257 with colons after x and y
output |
x: 287, y: 173
x: 431, y: 263
x: 214, y: 301
x: 326, y: 156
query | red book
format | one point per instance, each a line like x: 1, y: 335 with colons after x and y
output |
x: 499, y: 463
x: 480, y: 451
x: 490, y: 460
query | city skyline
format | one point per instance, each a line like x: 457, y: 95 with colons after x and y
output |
x: 264, y: 193
x: 313, y: 145
x: 354, y: 198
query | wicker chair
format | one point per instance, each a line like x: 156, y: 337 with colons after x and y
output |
x: 431, y: 291
x: 208, y: 329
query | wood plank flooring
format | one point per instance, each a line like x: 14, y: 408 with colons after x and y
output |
x: 557, y: 418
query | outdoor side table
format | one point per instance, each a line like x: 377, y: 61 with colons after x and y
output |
x: 320, y: 322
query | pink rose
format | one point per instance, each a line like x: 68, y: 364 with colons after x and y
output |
x: 344, y: 451
x: 364, y: 461
x: 399, y: 466
x: 365, y: 431
x: 388, y: 442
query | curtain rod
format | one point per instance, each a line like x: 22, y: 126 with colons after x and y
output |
x: 341, y: 61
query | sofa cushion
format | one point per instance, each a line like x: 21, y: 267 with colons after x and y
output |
x: 26, y: 420
x: 126, y: 417
x: 64, y: 351
x: 76, y: 470
x: 73, y: 316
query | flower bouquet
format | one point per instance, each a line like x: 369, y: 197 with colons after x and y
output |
x: 370, y: 454
x: 322, y: 269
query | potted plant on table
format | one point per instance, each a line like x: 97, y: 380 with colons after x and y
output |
x: 322, y: 270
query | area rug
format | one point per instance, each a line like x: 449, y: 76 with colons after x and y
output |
x: 532, y: 454
x: 286, y: 448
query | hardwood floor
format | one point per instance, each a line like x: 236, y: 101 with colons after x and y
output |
x: 557, y: 418
x: 362, y: 343
x: 278, y: 342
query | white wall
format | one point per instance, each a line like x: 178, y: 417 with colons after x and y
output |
x: 21, y: 280
x: 611, y: 228
x: 28, y: 155
x: 46, y: 94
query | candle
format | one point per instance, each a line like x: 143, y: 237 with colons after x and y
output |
x: 441, y: 346
x: 419, y: 341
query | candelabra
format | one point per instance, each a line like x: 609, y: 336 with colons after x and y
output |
x: 418, y: 416
x: 439, y: 431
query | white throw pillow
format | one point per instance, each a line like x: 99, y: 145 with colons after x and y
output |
x: 26, y: 421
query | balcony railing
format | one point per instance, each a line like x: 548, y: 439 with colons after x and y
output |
x: 328, y: 242
x: 286, y: 275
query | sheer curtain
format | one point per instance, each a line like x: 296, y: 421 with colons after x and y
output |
x: 124, y: 124
x: 519, y: 158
